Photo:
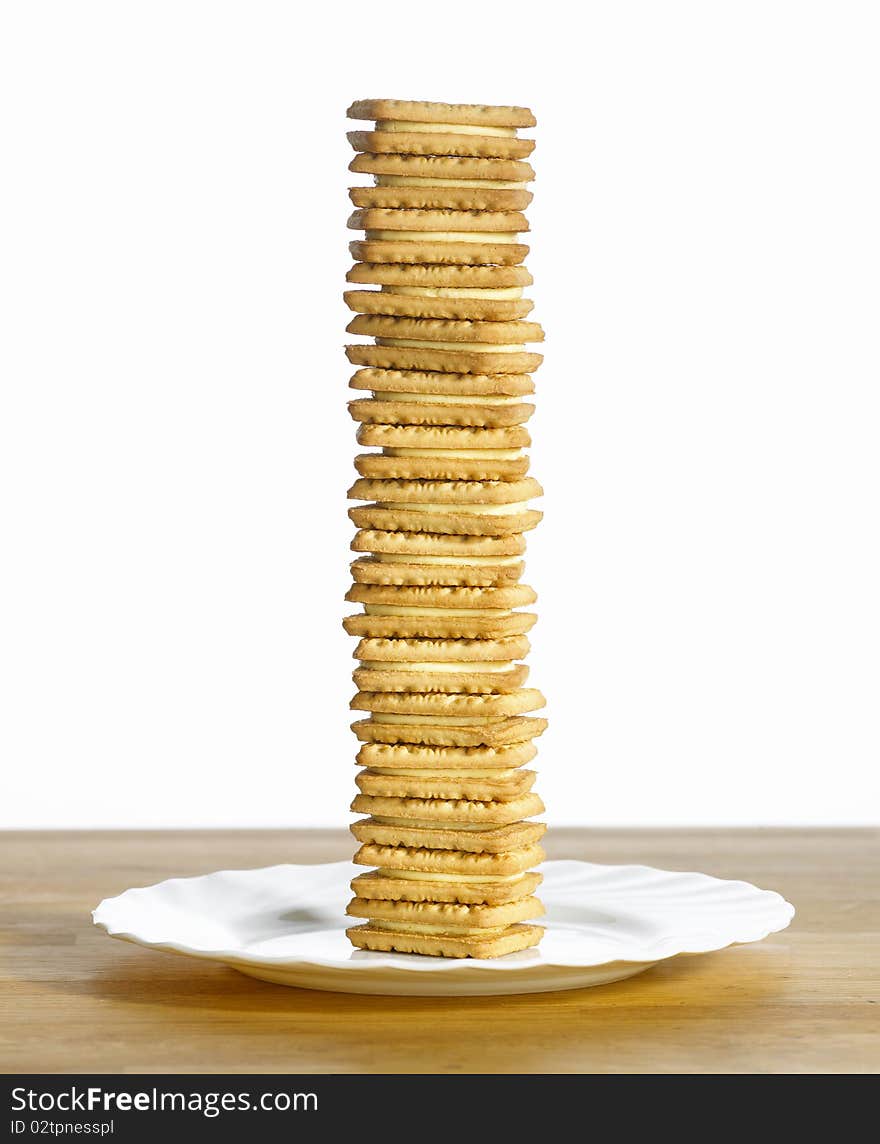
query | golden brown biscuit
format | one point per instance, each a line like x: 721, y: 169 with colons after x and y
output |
x: 385, y: 466
x: 482, y: 865
x: 443, y: 437
x: 371, y: 570
x: 418, y: 358
x: 413, y: 756
x: 484, y: 840
x: 438, y: 197
x: 445, y: 651
x: 455, y: 493
x: 378, y: 218
x: 445, y: 914
x: 468, y: 507
x: 441, y: 596
x: 425, y: 412
x: 439, y: 276
x: 442, y: 330
x: 447, y: 813
x: 371, y: 677
x: 445, y: 708
x: 510, y: 940
x: 436, y: 143
x: 453, y: 520
x: 442, y: 167
x: 432, y: 251
x: 515, y: 729
x: 426, y: 111
x: 461, y: 385
x: 446, y: 785
x: 440, y: 627
x: 422, y: 306
x: 387, y: 886
x: 463, y: 548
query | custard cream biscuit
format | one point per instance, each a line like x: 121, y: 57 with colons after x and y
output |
x: 378, y: 621
x: 510, y: 785
x: 437, y: 545
x: 395, y: 886
x: 473, y: 709
x: 441, y: 221
x: 471, y: 507
x: 507, y: 466
x: 447, y: 813
x: 446, y: 914
x: 477, y: 839
x: 443, y: 437
x: 441, y: 596
x: 457, y: 493
x: 475, y: 508
x: 426, y: 111
x: 439, y: 276
x: 389, y: 140
x: 439, y: 197
x: 408, y: 571
x: 464, y: 865
x: 431, y: 249
x: 428, y: 731
x: 390, y: 303
x: 406, y: 757
x: 471, y: 520
x: 444, y: 332
x: 435, y: 357
x: 453, y: 651
x: 510, y: 940
x: 462, y: 385
x: 477, y: 679
x: 448, y: 168
x: 500, y: 413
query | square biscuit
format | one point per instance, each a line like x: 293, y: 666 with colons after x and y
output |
x: 510, y: 940
x: 514, y: 729
x: 379, y: 884
x: 481, y: 840
x: 448, y: 915
x: 413, y: 756
x: 447, y: 785
x: 478, y: 865
x: 448, y: 813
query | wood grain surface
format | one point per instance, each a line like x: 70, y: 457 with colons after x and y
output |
x: 71, y: 999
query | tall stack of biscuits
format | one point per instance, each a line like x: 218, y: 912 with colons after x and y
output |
x: 442, y: 398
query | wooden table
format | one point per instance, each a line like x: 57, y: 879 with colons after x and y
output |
x: 72, y: 1000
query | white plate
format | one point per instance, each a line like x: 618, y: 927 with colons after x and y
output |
x: 286, y: 924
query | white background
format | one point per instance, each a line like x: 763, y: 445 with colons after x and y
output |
x: 175, y: 447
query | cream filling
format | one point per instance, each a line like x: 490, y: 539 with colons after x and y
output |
x: 443, y: 128
x: 446, y: 776
x: 441, y: 236
x: 502, y: 293
x: 425, y: 876
x: 435, y: 720
x: 439, y: 666
x: 473, y: 347
x: 460, y: 454
x: 480, y: 509
x: 448, y: 930
x: 402, y: 610
x: 447, y: 398
x: 430, y: 823
x: 454, y: 561
x: 422, y: 181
